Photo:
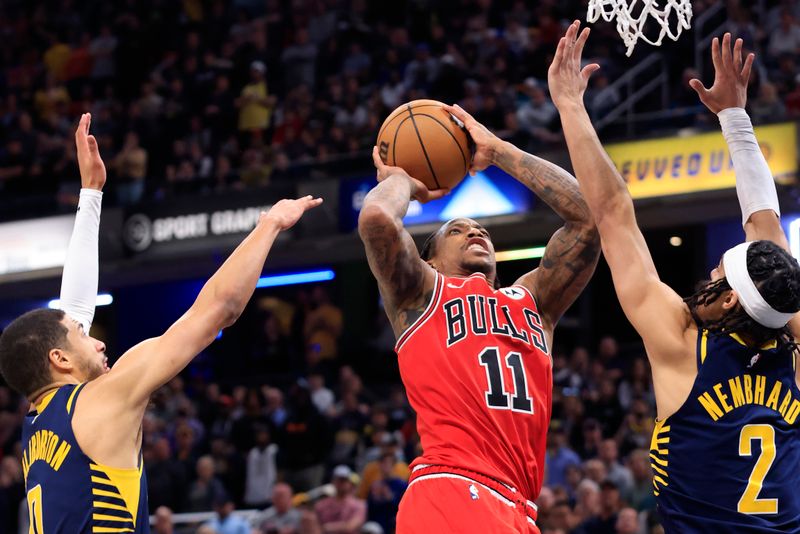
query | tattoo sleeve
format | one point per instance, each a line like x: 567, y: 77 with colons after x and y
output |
x: 571, y: 254
x: 403, y: 278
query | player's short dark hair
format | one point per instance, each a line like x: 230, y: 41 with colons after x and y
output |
x: 776, y: 275
x: 25, y: 347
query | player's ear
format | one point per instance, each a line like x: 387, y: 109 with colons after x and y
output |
x: 730, y: 300
x: 60, y: 360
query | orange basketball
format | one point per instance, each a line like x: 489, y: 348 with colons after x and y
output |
x: 427, y: 142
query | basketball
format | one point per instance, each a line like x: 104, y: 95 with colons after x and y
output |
x: 427, y: 142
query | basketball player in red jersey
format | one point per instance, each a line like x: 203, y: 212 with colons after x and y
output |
x: 474, y: 357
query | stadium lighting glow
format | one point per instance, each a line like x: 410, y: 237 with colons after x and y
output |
x: 288, y: 279
x: 519, y: 254
x: 103, y: 299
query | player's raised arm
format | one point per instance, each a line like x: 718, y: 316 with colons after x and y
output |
x: 150, y: 364
x: 755, y: 186
x: 571, y: 254
x: 79, y: 278
x: 655, y: 310
x: 403, y: 277
x: 727, y: 98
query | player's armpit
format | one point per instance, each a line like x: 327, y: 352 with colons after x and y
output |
x: 567, y: 266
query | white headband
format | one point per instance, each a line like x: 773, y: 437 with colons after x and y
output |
x: 735, y: 263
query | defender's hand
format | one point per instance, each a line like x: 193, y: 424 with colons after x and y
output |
x: 419, y: 191
x: 93, y: 170
x: 731, y: 76
x: 485, y: 141
x: 285, y: 213
x: 565, y: 78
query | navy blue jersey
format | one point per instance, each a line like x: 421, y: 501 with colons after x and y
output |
x: 729, y: 459
x: 68, y: 493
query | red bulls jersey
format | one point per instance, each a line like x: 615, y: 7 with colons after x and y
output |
x: 477, y: 370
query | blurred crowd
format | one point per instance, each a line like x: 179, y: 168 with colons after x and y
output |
x: 210, y: 95
x: 305, y: 444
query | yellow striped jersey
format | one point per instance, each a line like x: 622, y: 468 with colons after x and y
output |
x: 68, y: 493
x: 728, y: 460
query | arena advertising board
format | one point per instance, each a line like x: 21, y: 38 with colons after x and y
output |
x: 176, y: 228
x: 34, y: 244
x: 679, y: 165
x: 487, y: 194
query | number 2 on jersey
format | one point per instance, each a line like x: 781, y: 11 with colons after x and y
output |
x: 749, y: 503
x: 496, y: 396
x: 35, y: 510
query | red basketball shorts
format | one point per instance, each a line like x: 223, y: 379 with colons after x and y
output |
x: 444, y: 500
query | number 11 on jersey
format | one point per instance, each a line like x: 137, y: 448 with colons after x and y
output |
x: 496, y: 396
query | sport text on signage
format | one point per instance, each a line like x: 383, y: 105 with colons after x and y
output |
x: 141, y: 231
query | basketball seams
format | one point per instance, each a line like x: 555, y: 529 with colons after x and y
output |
x: 446, y: 129
x: 422, y: 145
x: 394, y: 140
x: 396, y: 113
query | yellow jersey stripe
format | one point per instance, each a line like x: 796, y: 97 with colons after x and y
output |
x: 659, y: 470
x: 703, y: 346
x: 658, y: 460
x: 105, y: 493
x: 660, y: 480
x: 103, y: 517
x: 72, y: 397
x: 110, y: 506
x: 101, y: 530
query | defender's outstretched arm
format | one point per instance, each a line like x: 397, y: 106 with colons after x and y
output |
x: 655, y: 310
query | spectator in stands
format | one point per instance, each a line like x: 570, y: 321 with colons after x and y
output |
x: 615, y: 472
x: 166, y: 477
x: 388, y: 444
x: 206, y: 488
x: 785, y: 39
x: 587, y: 501
x: 299, y: 61
x: 261, y: 470
x: 558, y: 456
x: 641, y: 496
x: 605, y: 520
x: 131, y: 167
x: 306, y: 441
x: 343, y: 513
x: 163, y: 524
x: 323, y: 324
x: 12, y: 491
x: 225, y: 521
x: 322, y: 397
x: 627, y: 522
x: 255, y: 103
x: 767, y: 107
x: 385, y: 494
x: 282, y: 517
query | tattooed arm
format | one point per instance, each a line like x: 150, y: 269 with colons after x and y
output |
x: 571, y: 254
x: 404, y: 279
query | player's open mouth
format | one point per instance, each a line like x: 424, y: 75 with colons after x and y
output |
x: 476, y: 244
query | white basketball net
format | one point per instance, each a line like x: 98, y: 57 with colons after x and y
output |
x: 630, y: 27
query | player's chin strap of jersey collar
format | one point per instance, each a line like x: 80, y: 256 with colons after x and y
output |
x: 735, y: 263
